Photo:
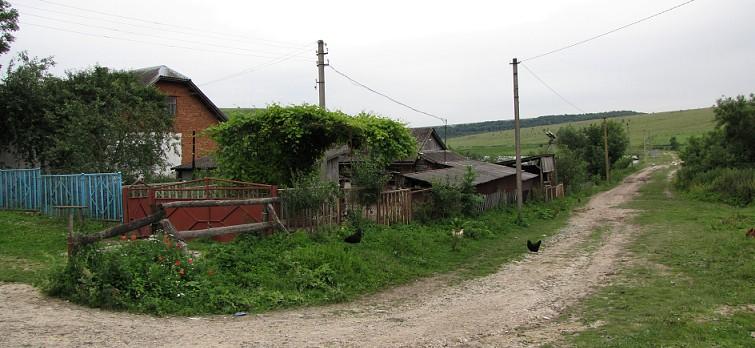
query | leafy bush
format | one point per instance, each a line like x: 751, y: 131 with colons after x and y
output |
x: 308, y: 192
x: 572, y: 169
x: 145, y: 276
x: 274, y: 144
x: 588, y: 143
x: 369, y: 176
x: 452, y: 199
x: 735, y: 186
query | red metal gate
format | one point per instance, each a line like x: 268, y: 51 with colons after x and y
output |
x: 141, y: 200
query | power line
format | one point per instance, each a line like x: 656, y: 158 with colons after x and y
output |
x: 608, y: 32
x: 386, y: 96
x: 257, y: 67
x: 139, y: 41
x: 152, y: 36
x: 551, y: 89
x: 270, y: 42
x: 140, y: 26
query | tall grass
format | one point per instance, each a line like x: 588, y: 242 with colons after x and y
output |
x: 735, y: 186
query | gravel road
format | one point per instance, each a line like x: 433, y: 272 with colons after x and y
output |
x: 516, y: 306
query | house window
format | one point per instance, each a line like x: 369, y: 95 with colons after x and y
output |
x: 171, y: 105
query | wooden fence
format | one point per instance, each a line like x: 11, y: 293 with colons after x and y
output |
x: 493, y: 200
x: 552, y: 192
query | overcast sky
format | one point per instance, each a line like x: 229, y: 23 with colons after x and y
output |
x: 449, y: 58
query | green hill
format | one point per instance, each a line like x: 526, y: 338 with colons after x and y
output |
x: 458, y: 130
x: 657, y: 127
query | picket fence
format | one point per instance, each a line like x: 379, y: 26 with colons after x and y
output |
x: 28, y: 189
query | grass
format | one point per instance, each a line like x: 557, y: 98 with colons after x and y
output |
x: 658, y: 127
x: 690, y: 284
x: 32, y: 244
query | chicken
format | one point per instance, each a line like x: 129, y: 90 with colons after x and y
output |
x: 355, y: 238
x: 533, y: 247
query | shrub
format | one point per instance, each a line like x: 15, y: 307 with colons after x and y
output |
x: 308, y: 192
x: 735, y: 186
x: 136, y: 275
x: 450, y: 199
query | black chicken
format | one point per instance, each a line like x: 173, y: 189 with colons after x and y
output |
x: 533, y: 247
x: 355, y: 238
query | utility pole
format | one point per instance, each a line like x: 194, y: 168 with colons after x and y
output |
x: 321, y: 71
x: 605, y: 145
x: 517, y: 144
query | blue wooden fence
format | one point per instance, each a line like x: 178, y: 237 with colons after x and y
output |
x: 19, y: 189
x: 27, y: 189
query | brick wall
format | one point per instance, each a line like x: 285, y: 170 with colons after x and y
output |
x: 191, y: 115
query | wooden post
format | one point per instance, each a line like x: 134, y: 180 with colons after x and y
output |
x: 70, y: 232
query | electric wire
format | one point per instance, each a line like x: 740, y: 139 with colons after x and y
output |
x: 385, y: 95
x: 255, y: 54
x: 259, y: 67
x: 111, y: 37
x: 270, y: 42
x: 608, y: 32
x: 142, y: 26
x: 552, y: 89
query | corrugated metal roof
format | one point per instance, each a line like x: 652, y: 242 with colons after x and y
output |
x: 485, y: 172
x: 442, y: 156
x: 151, y: 75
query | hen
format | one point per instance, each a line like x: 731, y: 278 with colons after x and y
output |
x: 355, y: 238
x: 533, y: 247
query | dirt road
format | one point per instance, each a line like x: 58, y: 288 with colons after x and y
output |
x: 515, y: 306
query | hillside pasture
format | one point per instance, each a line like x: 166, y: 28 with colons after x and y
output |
x: 658, y: 127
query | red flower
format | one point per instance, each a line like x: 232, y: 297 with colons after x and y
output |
x: 181, y: 272
x: 191, y: 261
x: 178, y: 262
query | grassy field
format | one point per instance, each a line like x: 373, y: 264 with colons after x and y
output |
x: 32, y: 244
x: 691, y: 284
x: 658, y: 128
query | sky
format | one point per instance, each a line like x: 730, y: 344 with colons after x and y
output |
x: 447, y: 58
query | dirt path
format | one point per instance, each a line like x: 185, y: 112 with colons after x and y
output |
x: 516, y: 306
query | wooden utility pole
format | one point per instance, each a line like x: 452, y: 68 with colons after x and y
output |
x: 517, y: 143
x: 321, y: 71
x: 605, y: 145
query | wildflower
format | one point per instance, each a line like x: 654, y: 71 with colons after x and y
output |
x: 191, y: 261
x: 181, y: 272
x: 178, y: 262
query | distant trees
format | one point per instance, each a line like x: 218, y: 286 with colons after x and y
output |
x: 588, y: 144
x: 495, y: 126
x: 94, y: 120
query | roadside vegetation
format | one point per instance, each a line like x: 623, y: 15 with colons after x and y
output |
x: 689, y: 282
x: 720, y: 165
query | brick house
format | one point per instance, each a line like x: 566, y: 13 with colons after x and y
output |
x: 193, y: 110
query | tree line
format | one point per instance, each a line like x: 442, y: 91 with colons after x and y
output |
x: 458, y: 130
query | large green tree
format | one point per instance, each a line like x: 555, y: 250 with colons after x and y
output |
x: 94, y: 120
x: 278, y: 143
x: 8, y: 24
x: 735, y: 117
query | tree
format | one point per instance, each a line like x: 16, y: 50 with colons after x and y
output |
x: 588, y: 143
x: 8, y: 24
x: 277, y: 143
x: 736, y: 118
x: 93, y: 120
x: 25, y: 100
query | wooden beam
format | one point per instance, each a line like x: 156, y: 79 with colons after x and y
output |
x: 219, y: 231
x: 171, y: 231
x: 220, y: 203
x: 118, y: 230
x: 274, y: 215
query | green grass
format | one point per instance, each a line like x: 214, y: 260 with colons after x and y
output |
x: 694, y: 275
x: 32, y: 244
x: 658, y: 127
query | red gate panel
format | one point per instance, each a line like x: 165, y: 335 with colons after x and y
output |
x: 139, y: 201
